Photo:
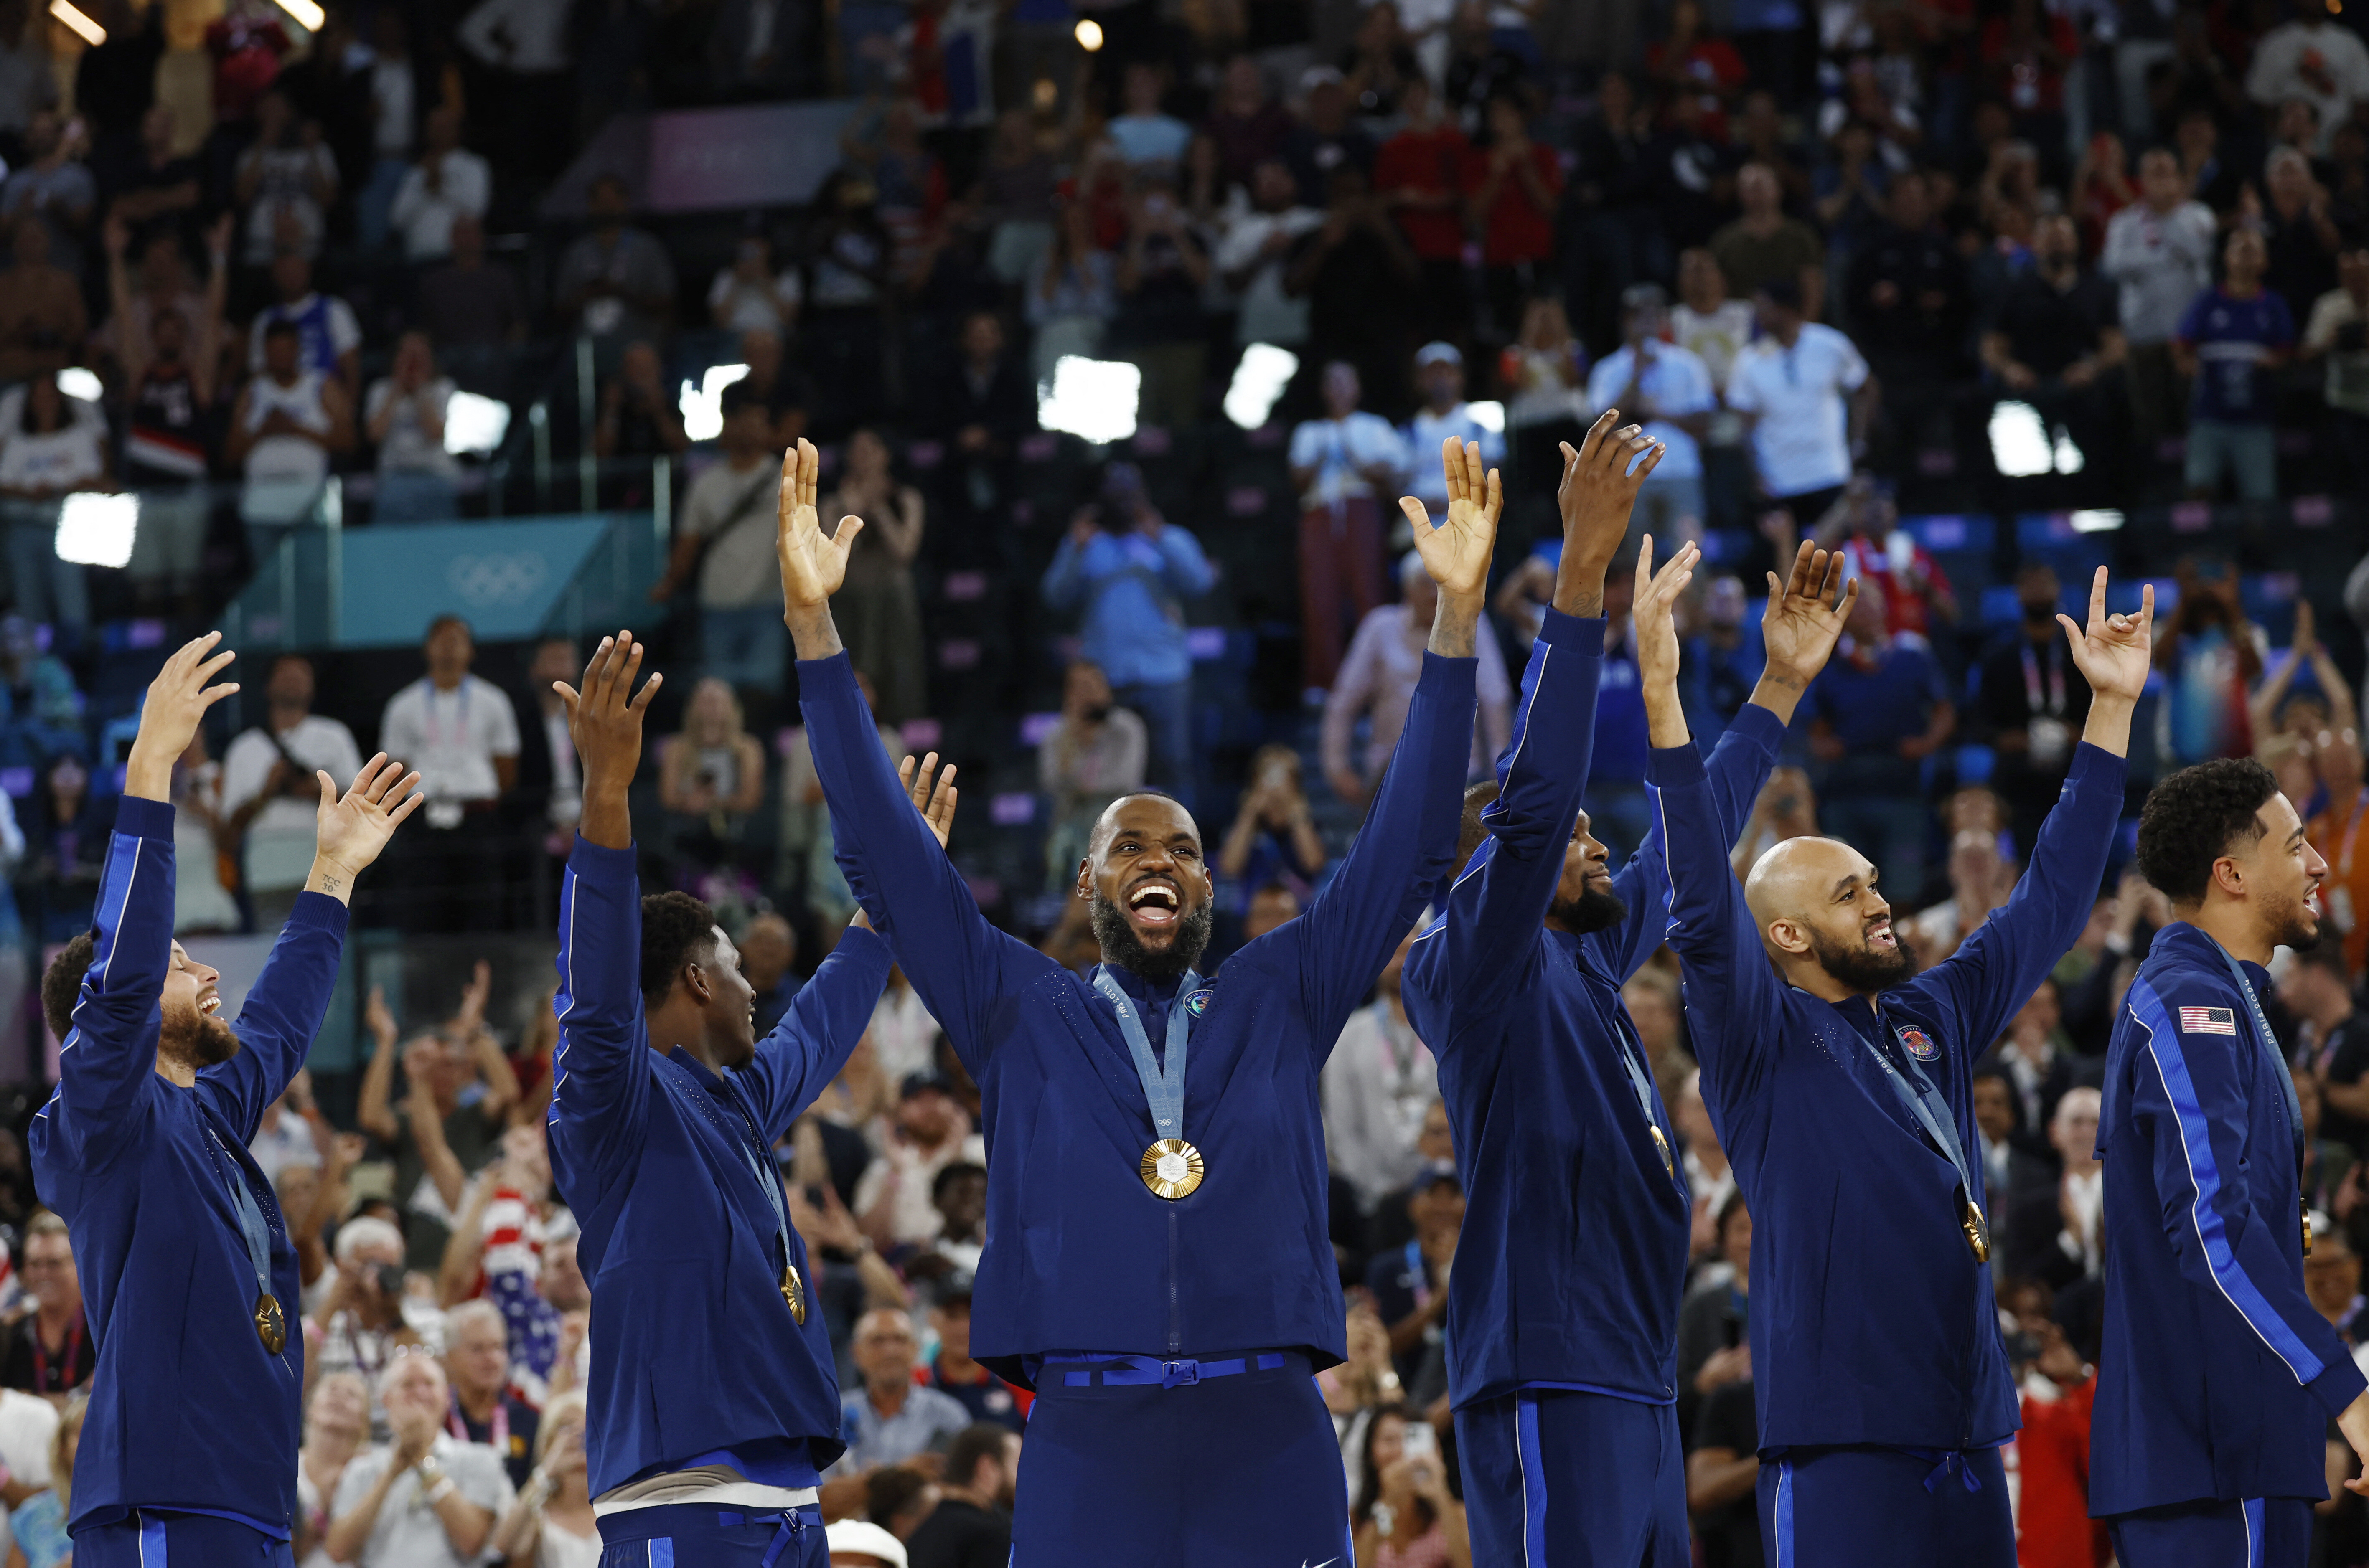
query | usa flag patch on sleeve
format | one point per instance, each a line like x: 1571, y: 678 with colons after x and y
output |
x: 2208, y: 1020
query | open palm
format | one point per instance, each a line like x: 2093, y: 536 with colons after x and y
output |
x: 1455, y: 551
x: 1806, y: 613
x: 352, y: 829
x: 813, y: 563
x: 2113, y: 652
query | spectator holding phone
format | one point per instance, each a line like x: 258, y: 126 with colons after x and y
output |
x: 1406, y: 1517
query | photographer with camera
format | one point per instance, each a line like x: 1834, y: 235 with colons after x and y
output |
x: 268, y: 790
x: 359, y: 1325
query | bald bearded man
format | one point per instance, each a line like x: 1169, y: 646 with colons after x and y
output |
x: 1839, y: 1080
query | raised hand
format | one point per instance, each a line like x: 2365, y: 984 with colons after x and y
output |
x: 1805, y: 613
x: 177, y: 702
x: 813, y: 563
x: 604, y: 720
x: 349, y: 830
x: 1455, y: 551
x: 936, y: 805
x: 2113, y: 651
x: 1654, y: 611
x: 1598, y: 488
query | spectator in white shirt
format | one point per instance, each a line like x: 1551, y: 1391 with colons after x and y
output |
x: 1440, y: 376
x: 1808, y: 395
x: 1654, y: 381
x: 2313, y: 57
x: 461, y: 734
x: 286, y: 180
x: 1377, y: 1085
x: 270, y: 794
x: 418, y: 481
x: 424, y: 1500
x: 1253, y: 250
x: 48, y: 452
x: 1342, y: 465
x: 1378, y: 681
x: 751, y: 295
x: 448, y: 182
x: 893, y: 1200
x: 2160, y: 254
x: 330, y: 337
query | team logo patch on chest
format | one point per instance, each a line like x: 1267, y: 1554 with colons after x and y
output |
x: 1919, y: 1044
x: 2208, y: 1020
x: 1199, y: 1003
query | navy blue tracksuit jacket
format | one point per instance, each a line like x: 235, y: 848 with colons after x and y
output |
x: 2218, y: 1375
x: 1872, y: 1322
x: 695, y: 1358
x: 188, y: 1413
x: 1575, y: 1238
x: 1079, y: 1255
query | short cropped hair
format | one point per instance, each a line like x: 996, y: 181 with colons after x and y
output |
x: 676, y: 928
x: 1471, y: 830
x: 61, y: 984
x: 2192, y: 818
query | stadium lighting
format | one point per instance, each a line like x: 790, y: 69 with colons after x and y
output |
x: 2068, y: 456
x: 1092, y: 399
x: 78, y: 23
x: 98, y: 530
x: 306, y: 14
x: 703, y: 406
x: 2096, y: 522
x: 475, y: 426
x: 76, y: 381
x: 1090, y: 34
x: 1490, y: 416
x: 1258, y: 381
x: 2018, y: 441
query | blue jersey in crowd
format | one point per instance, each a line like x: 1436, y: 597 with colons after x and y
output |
x: 1129, y: 585
x: 2235, y: 340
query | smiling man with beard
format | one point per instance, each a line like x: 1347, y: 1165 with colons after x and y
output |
x: 1157, y: 1264
x: 2218, y: 1376
x: 189, y: 1451
x: 1839, y: 1080
x: 1561, y: 1360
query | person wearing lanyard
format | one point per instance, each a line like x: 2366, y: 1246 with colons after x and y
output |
x: 2217, y: 1376
x: 187, y: 1271
x: 1839, y: 1080
x: 713, y: 1395
x: 2337, y: 832
x: 2029, y: 705
x: 1157, y: 1264
x: 1562, y: 1369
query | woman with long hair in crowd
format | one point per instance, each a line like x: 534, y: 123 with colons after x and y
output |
x: 550, y: 1524
x: 879, y: 614
x: 1405, y: 1517
x: 38, y: 1528
x: 712, y: 777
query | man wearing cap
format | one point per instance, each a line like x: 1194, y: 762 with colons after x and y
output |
x: 860, y: 1543
x: 1444, y: 416
x: 1671, y: 386
x: 1808, y: 396
x: 1378, y: 681
x: 1157, y: 1266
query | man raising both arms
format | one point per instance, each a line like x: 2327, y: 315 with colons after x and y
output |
x: 714, y: 1399
x: 188, y: 1451
x: 2218, y: 1376
x: 1838, y: 1082
x: 1561, y: 1362
x: 1157, y: 1266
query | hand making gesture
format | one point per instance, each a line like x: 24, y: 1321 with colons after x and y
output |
x: 350, y: 830
x: 1654, y: 610
x: 2113, y: 652
x: 604, y: 720
x: 177, y: 703
x: 936, y: 805
x: 1806, y: 612
x: 1456, y: 551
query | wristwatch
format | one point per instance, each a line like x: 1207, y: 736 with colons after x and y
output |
x: 428, y: 1471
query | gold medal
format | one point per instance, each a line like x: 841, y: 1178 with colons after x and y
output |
x: 1662, y: 1147
x: 1171, y: 1169
x: 793, y: 1291
x: 271, y: 1322
x: 1977, y: 1229
x: 2304, y: 1200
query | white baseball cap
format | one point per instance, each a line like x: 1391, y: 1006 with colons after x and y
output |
x: 863, y: 1535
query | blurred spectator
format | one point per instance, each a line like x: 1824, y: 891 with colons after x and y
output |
x: 1882, y: 709
x: 710, y: 777
x: 284, y: 428
x: 2210, y: 655
x: 357, y: 1325
x: 270, y: 796
x: 27, y: 85
x: 953, y: 1374
x: 2332, y: 1038
x: 1406, y: 1517
x: 1254, y: 248
x: 247, y: 47
x: 484, y: 1409
x: 753, y: 294
x: 41, y: 319
x: 1723, y: 1471
x: 467, y: 303
x: 1706, y: 321
x: 2299, y: 229
x: 1245, y: 122
x: 1668, y: 390
x: 1715, y: 1321
x: 330, y: 338
x: 418, y: 481
x: 767, y: 947
x: 614, y: 283
x: 337, y: 1427
x: 1324, y: 139
x: 2102, y: 187
x: 971, y: 1527
x: 878, y: 612
x: 890, y: 1418
x: 2158, y: 253
x: 1379, y: 65
x: 1543, y: 372
x: 65, y: 848
x: 1444, y: 416
x: 2336, y: 832
x: 2338, y: 332
x: 1074, y: 295
x: 461, y: 734
x: 1764, y: 246
x: 1979, y: 882
x: 54, y: 451
x: 1512, y: 188
x: 1808, y: 396
x: 393, y: 119
x: 1692, y: 60
x: 1378, y: 680
x: 638, y: 418
x: 424, y: 1499
x: 286, y: 183
x: 551, y: 1524
x: 2025, y: 53
x: 1273, y: 840
x: 1865, y: 525
x: 49, y: 1350
x: 2314, y: 57
x: 171, y: 366
x: 1146, y: 135
x: 2036, y: 1056
x: 1409, y: 1283
x: 1094, y: 754
x: 293, y: 1132
x: 2240, y: 332
x: 447, y: 183
x: 724, y: 544
x: 1126, y: 570
x: 43, y: 1493
x: 2072, y: 1249
x: 53, y: 185
x: 1377, y: 1086
x: 807, y: 846
x: 1016, y: 197
x: 41, y: 711
x: 845, y: 283
x: 894, y: 1201
x: 2055, y: 341
x: 2030, y: 704
x: 1342, y: 465
x: 1909, y: 300
x: 158, y: 191
x: 1418, y: 172
x: 783, y: 390
x: 1162, y: 276
x: 1359, y: 278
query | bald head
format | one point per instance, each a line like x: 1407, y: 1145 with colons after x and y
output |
x: 1797, y: 873
x: 1822, y: 921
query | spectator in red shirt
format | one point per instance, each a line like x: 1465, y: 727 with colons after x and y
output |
x: 1512, y: 185
x: 1246, y: 123
x: 2025, y: 53
x: 1699, y: 63
x: 2053, y: 1526
x: 1418, y: 172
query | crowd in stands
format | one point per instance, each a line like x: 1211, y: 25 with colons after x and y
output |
x: 1986, y: 293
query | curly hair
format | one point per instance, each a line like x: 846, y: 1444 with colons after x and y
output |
x: 61, y: 984
x: 2191, y: 818
x: 676, y: 929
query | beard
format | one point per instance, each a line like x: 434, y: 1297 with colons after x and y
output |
x: 1591, y: 911
x: 1864, y: 969
x: 196, y: 1040
x: 2293, y: 925
x: 1123, y: 948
